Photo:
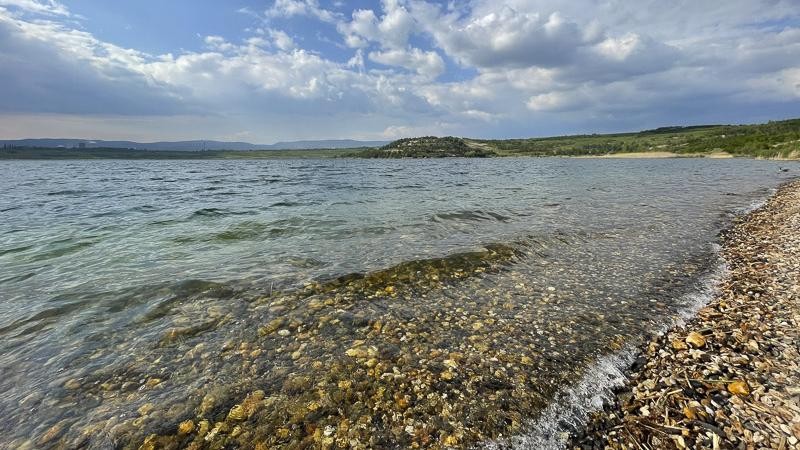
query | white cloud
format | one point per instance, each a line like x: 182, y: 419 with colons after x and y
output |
x: 428, y: 64
x: 784, y: 84
x: 357, y: 61
x: 282, y: 40
x: 520, y: 66
x: 509, y: 38
x: 391, y: 30
x: 427, y: 129
x: 47, y: 7
x: 311, y: 8
x: 555, y: 101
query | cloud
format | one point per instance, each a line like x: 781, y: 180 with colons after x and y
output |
x: 508, y: 38
x: 482, y: 68
x: 282, y: 40
x: 428, y: 64
x: 310, y: 8
x: 391, y: 30
x: 46, y: 7
x: 52, y: 69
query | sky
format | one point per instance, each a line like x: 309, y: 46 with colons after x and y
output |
x: 276, y: 70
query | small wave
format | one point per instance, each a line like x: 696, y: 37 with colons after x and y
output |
x: 303, y: 263
x: 70, y: 192
x: 757, y: 204
x: 270, y: 180
x: 62, y: 248
x: 176, y: 293
x: 145, y: 208
x: 42, y: 318
x: 572, y: 406
x: 210, y: 212
x: 471, y: 215
x: 17, y: 278
x: 286, y: 203
x: 167, y: 222
x: 13, y: 250
x: 247, y: 230
x: 219, y: 212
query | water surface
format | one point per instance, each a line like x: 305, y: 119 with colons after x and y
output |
x: 359, y: 303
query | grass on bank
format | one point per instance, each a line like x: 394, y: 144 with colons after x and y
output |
x: 780, y: 139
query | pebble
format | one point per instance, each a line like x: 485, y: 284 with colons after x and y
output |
x: 696, y: 340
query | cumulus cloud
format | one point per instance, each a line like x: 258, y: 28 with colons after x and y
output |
x: 53, y: 69
x: 391, y: 30
x: 282, y: 40
x: 509, y: 38
x: 311, y: 8
x: 46, y: 7
x: 428, y: 64
x: 483, y: 68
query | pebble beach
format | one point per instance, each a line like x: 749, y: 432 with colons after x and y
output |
x: 729, y: 378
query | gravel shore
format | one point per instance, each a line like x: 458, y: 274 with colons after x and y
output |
x: 730, y: 377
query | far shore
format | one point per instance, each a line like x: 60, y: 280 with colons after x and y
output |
x: 659, y: 155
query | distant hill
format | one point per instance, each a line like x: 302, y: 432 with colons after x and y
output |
x: 190, y: 145
x: 429, y: 147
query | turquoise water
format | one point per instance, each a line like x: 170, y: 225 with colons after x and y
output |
x: 113, y: 270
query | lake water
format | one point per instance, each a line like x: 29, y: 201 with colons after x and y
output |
x: 350, y: 303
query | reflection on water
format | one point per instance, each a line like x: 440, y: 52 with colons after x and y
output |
x: 342, y: 302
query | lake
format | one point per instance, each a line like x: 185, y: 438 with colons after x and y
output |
x: 359, y: 303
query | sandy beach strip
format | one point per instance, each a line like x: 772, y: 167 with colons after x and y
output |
x: 730, y: 377
x: 658, y: 155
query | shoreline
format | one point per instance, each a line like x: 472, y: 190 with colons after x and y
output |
x: 657, y: 155
x: 730, y: 376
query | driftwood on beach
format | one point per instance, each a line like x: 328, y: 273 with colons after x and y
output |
x: 730, y: 377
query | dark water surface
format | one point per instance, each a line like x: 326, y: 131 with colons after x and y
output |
x: 345, y: 303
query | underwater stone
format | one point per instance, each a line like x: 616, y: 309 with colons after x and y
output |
x: 236, y: 413
x: 186, y: 427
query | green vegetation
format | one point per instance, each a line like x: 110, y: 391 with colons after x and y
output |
x: 771, y: 140
x: 427, y: 147
x: 779, y: 139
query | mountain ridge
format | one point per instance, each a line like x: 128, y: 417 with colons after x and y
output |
x: 191, y: 145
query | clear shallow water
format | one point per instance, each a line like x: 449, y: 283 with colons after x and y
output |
x: 138, y: 295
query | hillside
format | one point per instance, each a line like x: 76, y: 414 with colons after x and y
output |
x: 428, y: 147
x: 779, y: 139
